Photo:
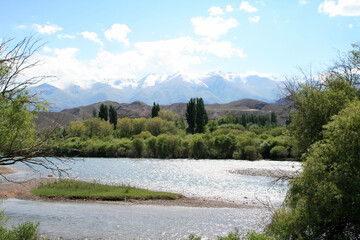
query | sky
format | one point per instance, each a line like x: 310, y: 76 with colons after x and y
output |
x: 107, y: 40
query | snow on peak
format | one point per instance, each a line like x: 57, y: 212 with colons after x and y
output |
x: 152, y: 79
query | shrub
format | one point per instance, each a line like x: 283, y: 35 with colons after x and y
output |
x: 24, y: 231
x: 250, y: 153
x: 279, y: 152
x: 323, y: 203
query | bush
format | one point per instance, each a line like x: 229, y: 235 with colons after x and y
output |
x: 250, y: 153
x: 323, y: 203
x: 279, y: 152
x: 24, y: 231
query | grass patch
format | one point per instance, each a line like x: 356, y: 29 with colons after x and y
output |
x: 70, y: 189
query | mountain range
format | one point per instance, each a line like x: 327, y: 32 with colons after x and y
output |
x: 139, y: 109
x: 216, y: 87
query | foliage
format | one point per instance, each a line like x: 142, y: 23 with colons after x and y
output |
x: 278, y: 152
x: 160, y: 138
x: 201, y: 117
x: 316, y: 99
x: 103, y: 112
x: 165, y: 137
x: 191, y: 115
x: 314, y: 106
x: 113, y: 116
x: 250, y: 235
x: 19, y: 141
x: 24, y: 231
x: 155, y: 110
x: 323, y: 202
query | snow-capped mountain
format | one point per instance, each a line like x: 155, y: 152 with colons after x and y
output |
x: 216, y: 87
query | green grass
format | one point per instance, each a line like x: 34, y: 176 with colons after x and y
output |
x: 70, y: 189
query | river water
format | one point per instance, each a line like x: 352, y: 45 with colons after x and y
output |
x: 210, y: 179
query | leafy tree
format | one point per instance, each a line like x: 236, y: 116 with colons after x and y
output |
x: 273, y: 118
x: 124, y: 127
x: 201, y: 117
x: 166, y: 115
x: 198, y: 147
x: 191, y: 115
x: 243, y: 119
x: 323, y: 202
x: 103, y: 112
x: 196, y: 116
x: 138, y: 147
x: 154, y: 125
x: 113, y: 116
x: 155, y: 110
x: 224, y: 145
x: 314, y: 106
x: 19, y: 141
x: 316, y: 100
x: 138, y: 125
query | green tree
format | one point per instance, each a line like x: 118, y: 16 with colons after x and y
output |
x: 155, y: 110
x: 316, y: 100
x: 314, y: 106
x: 323, y: 203
x: 243, y: 120
x: 201, y: 117
x: 124, y: 127
x: 19, y: 141
x: 103, y: 112
x: 191, y: 115
x: 196, y: 116
x: 113, y: 116
x: 273, y: 118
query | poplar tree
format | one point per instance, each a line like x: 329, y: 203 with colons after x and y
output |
x: 196, y: 116
x: 190, y: 115
x: 200, y: 116
x: 113, y: 116
x: 155, y: 110
x: 103, y: 112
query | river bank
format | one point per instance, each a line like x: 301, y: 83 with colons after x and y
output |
x: 21, y: 190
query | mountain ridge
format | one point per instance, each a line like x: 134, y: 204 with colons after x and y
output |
x: 215, y: 87
x: 138, y: 109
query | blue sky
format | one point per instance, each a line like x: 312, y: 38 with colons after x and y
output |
x: 96, y: 40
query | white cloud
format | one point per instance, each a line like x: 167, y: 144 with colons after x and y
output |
x: 92, y: 36
x: 254, y: 19
x: 303, y: 2
x: 47, y: 49
x: 350, y: 26
x: 229, y: 8
x: 66, y: 36
x: 21, y: 26
x: 215, y: 11
x: 247, y: 7
x: 118, y: 32
x: 213, y: 27
x: 222, y: 49
x: 49, y: 28
x: 350, y: 8
x: 164, y: 56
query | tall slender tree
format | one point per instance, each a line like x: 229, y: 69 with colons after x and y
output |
x: 103, y: 112
x: 200, y: 116
x: 196, y: 115
x: 113, y: 116
x: 155, y: 110
x: 191, y: 115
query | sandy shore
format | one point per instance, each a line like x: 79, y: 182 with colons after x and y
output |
x: 22, y: 191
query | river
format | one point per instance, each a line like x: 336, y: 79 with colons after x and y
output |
x: 211, y: 179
